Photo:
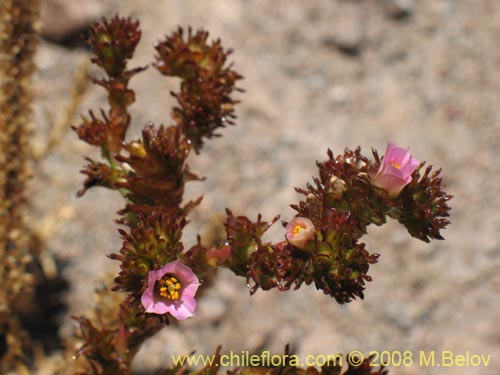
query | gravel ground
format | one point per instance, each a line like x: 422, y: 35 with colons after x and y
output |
x: 319, y: 74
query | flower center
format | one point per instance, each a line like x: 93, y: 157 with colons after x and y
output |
x: 169, y: 287
x: 297, y: 229
x: 395, y: 164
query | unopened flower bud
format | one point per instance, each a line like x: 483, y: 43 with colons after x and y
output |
x: 337, y: 186
x: 137, y: 149
x: 218, y: 256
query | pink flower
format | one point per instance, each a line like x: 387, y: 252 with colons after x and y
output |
x: 171, y: 289
x: 299, y: 231
x: 396, y: 169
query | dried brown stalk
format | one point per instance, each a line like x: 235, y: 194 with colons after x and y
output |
x: 17, y: 48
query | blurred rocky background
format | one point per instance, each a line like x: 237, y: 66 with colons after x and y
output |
x: 318, y: 74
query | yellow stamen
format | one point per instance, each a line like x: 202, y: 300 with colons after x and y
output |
x: 297, y: 229
x: 169, y: 288
x: 395, y: 164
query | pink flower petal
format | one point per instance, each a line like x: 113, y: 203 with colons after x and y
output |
x: 147, y: 298
x: 181, y: 311
x: 395, y: 170
x: 189, y: 303
x: 183, y: 272
x: 158, y: 307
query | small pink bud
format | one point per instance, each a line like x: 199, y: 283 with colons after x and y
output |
x: 171, y: 289
x: 396, y: 169
x: 299, y: 231
x: 218, y: 256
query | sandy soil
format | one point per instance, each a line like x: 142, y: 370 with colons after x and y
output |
x: 319, y: 74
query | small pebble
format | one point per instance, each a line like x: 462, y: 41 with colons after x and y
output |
x: 347, y: 33
x: 399, y: 9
